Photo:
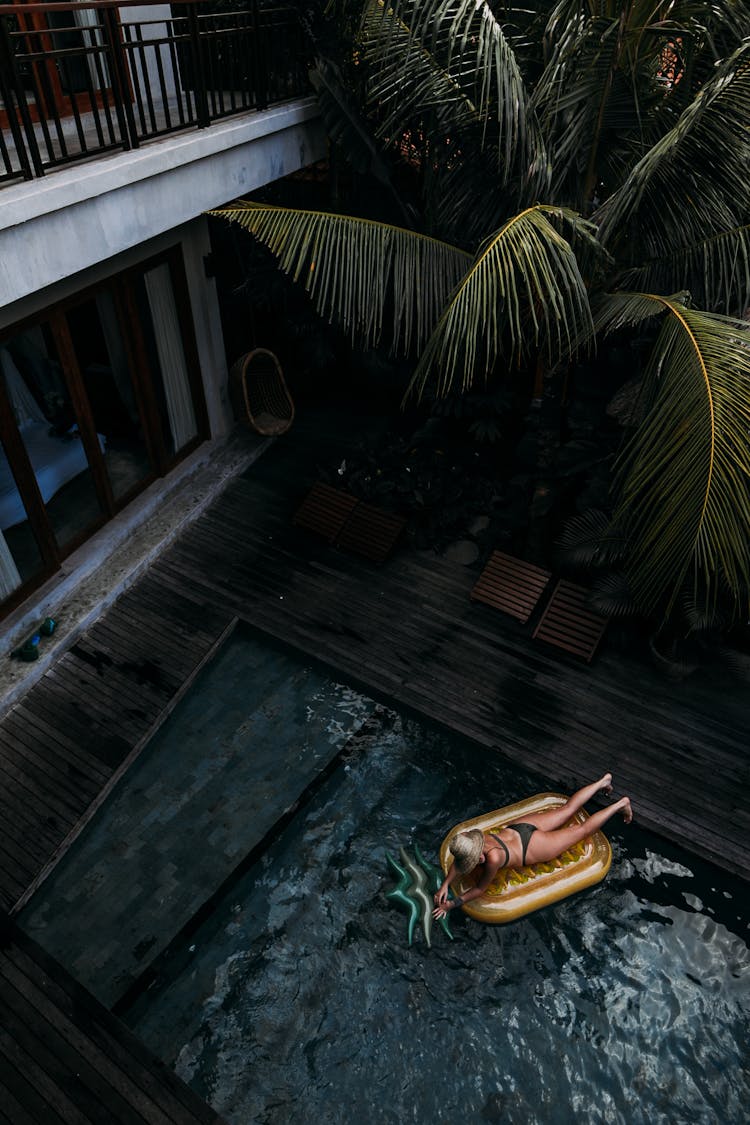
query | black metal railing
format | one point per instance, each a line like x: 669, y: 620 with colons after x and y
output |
x: 81, y: 79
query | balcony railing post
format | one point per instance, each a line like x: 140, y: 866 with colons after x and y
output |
x: 200, y: 92
x: 14, y: 97
x: 74, y: 85
x: 120, y: 79
x: 259, y: 60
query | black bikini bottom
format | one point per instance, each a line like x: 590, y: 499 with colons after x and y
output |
x: 525, y: 831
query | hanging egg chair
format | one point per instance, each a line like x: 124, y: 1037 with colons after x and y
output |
x: 259, y: 393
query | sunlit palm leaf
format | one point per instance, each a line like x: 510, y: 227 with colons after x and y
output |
x: 357, y: 271
x: 683, y: 480
x: 692, y: 186
x: 524, y: 291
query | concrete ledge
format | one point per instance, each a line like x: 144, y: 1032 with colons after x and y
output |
x: 69, y: 186
x: 95, y: 575
x: 56, y: 227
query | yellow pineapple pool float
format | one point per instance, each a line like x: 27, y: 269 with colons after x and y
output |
x: 516, y: 891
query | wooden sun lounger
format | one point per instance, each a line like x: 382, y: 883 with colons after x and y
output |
x: 347, y: 522
x: 325, y: 510
x: 371, y: 532
x: 511, y: 585
x: 568, y: 623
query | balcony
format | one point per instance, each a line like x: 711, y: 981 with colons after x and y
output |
x: 81, y: 80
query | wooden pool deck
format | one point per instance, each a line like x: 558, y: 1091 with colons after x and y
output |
x: 65, y: 1059
x: 406, y: 632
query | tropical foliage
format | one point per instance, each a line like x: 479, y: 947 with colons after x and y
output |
x: 558, y: 177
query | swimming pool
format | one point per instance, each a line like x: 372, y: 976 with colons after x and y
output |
x: 298, y: 999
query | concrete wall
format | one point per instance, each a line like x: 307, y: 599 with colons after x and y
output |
x: 60, y: 226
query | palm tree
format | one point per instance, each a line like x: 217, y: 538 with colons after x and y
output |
x: 572, y: 171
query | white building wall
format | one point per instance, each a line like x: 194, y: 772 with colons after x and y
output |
x: 153, y: 22
x: 73, y: 219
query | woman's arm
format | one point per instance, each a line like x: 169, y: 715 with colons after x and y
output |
x: 443, y: 906
x: 442, y: 894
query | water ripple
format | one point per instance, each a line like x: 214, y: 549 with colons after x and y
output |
x: 628, y: 1004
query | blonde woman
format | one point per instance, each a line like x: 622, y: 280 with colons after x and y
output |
x: 540, y: 838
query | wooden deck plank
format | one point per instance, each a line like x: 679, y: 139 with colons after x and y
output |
x: 14, y: 881
x: 20, y: 858
x: 39, y: 788
x: 94, y: 729
x: 20, y: 823
x: 18, y: 1084
x: 114, y: 689
x: 144, y: 647
x: 84, y: 1064
x: 56, y: 741
x: 56, y: 1057
x: 71, y: 712
x: 25, y: 742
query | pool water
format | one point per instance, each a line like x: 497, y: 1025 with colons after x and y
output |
x: 299, y: 1000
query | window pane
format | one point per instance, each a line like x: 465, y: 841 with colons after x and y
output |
x: 103, y: 361
x: 47, y: 425
x: 20, y: 559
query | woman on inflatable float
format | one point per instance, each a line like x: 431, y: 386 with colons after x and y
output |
x: 543, y: 837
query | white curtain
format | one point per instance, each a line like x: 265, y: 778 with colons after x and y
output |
x: 118, y: 360
x: 171, y: 355
x: 25, y: 407
x: 10, y: 579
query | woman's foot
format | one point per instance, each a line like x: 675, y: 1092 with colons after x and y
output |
x: 627, y: 811
x: 606, y: 784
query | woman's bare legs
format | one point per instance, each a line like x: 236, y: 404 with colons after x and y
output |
x: 556, y: 818
x: 544, y: 845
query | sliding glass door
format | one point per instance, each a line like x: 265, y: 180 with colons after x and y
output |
x: 97, y: 398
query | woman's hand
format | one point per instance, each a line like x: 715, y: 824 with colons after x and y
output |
x: 441, y: 910
x: 442, y: 895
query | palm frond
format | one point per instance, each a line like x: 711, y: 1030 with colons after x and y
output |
x: 523, y: 291
x: 597, y: 91
x: 703, y: 615
x: 358, y: 271
x: 448, y: 62
x: 716, y: 270
x: 588, y: 540
x: 734, y: 662
x: 346, y: 127
x: 610, y: 596
x: 682, y: 483
x: 690, y: 187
